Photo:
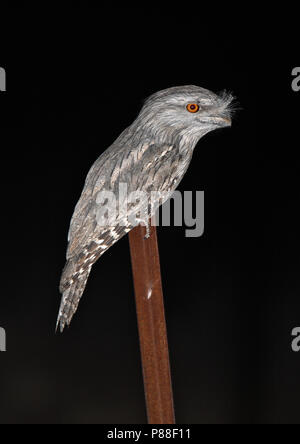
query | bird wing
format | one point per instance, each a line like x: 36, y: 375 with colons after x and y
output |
x: 83, y: 222
x: 150, y: 167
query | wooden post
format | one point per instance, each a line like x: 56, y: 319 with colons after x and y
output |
x: 152, y: 326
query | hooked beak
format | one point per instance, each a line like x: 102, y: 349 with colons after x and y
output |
x: 219, y: 121
x: 226, y: 121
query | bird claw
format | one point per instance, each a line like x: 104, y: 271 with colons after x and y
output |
x: 147, y: 226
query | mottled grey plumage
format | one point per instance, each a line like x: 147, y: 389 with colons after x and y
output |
x: 152, y: 154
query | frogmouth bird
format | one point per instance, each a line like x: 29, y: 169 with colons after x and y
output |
x: 152, y: 154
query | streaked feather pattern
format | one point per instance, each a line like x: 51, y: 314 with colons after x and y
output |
x: 152, y: 154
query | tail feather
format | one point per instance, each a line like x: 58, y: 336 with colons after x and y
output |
x: 72, y: 287
x: 78, y: 268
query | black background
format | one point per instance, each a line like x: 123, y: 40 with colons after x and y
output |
x: 75, y: 80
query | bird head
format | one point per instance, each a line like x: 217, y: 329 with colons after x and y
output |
x: 187, y: 112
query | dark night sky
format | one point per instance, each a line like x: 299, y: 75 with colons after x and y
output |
x: 74, y: 82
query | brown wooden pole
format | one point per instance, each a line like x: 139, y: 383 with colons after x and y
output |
x: 152, y: 326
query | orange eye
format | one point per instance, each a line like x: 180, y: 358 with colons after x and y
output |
x: 192, y: 107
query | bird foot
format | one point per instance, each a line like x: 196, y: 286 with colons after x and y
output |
x: 147, y: 225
